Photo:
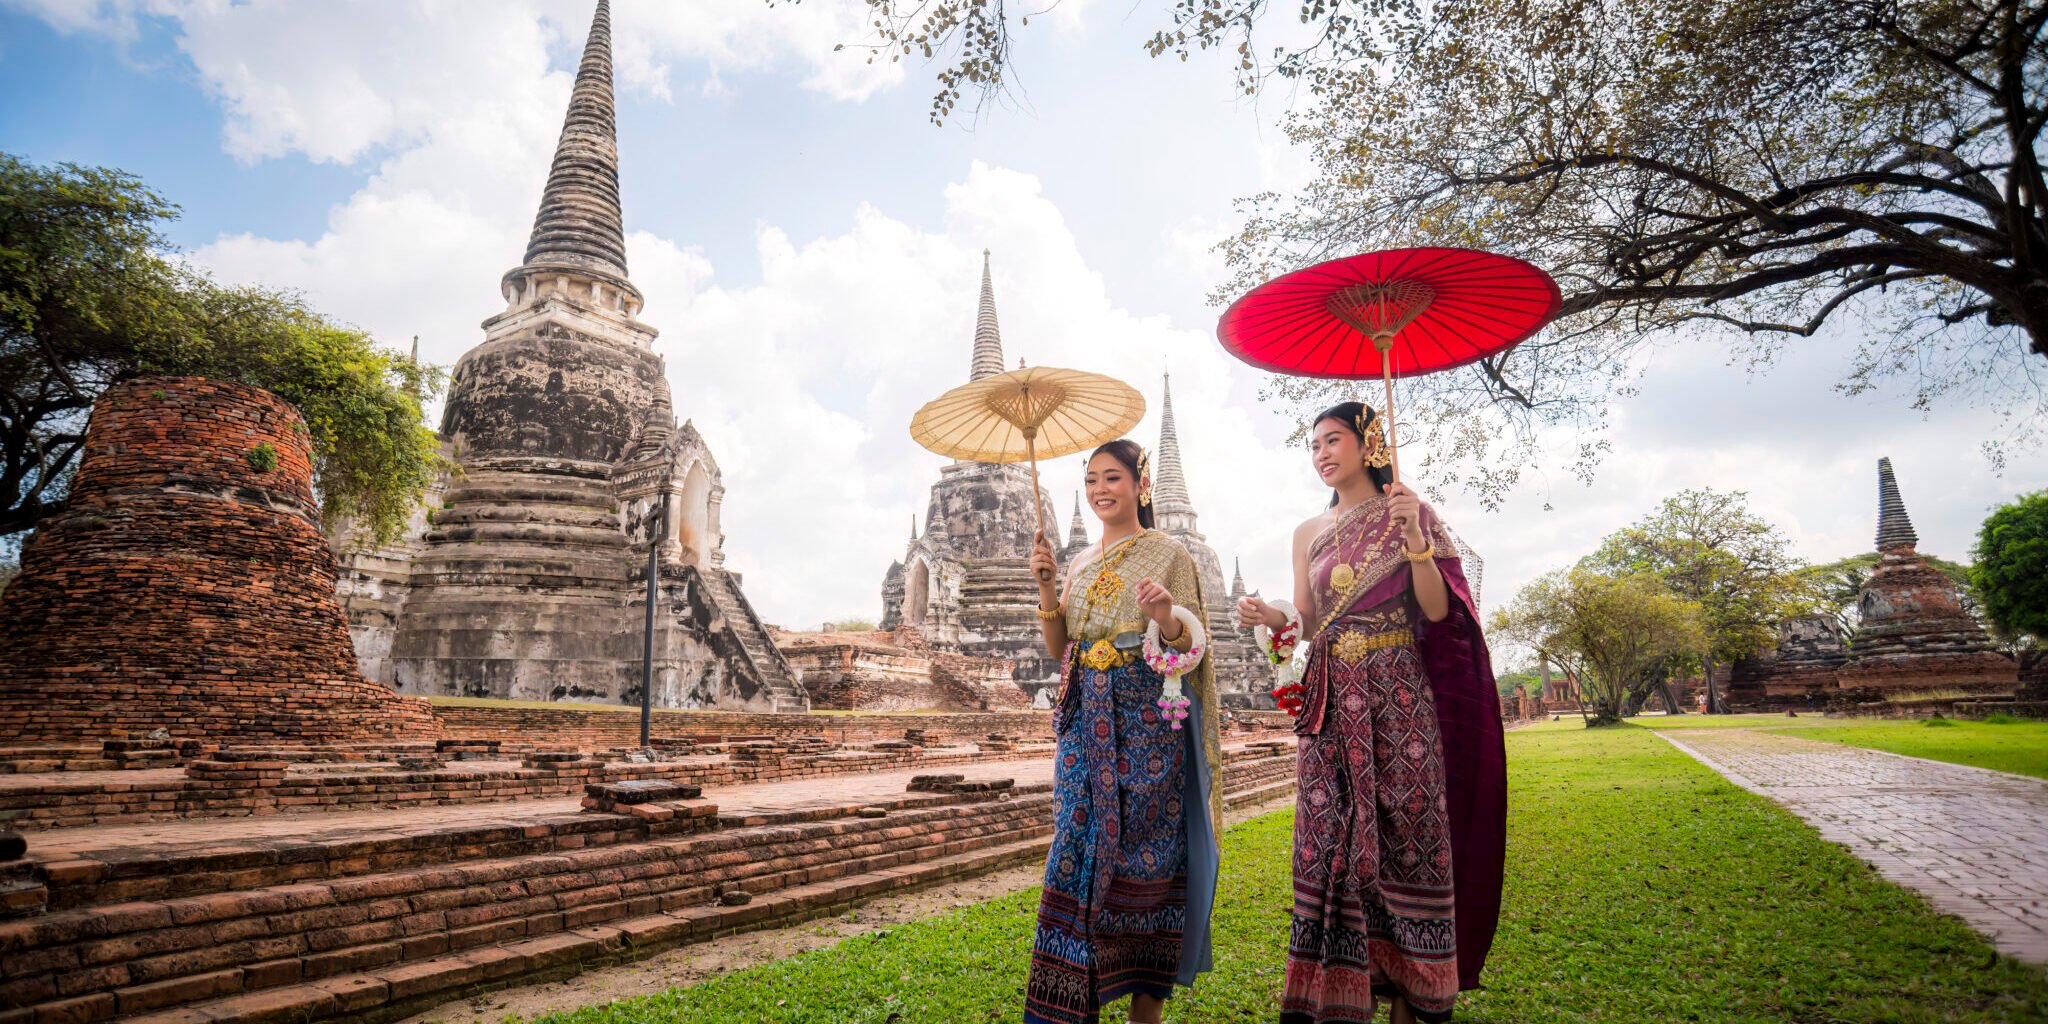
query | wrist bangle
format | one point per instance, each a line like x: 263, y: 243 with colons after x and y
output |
x: 1049, y: 614
x: 1423, y: 555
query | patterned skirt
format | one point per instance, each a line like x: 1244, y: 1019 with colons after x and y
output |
x: 1115, y: 900
x: 1372, y: 852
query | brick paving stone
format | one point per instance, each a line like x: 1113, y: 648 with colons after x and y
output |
x: 1974, y: 842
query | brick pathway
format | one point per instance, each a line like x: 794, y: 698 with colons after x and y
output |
x: 795, y: 794
x: 1973, y: 842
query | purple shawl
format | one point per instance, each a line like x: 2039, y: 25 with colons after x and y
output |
x: 1460, y: 672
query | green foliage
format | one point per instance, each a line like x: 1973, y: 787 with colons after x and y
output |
x: 263, y: 457
x: 2011, y: 570
x: 1531, y: 683
x: 1640, y: 887
x: 851, y: 626
x: 1619, y: 633
x: 2000, y: 718
x: 1939, y: 723
x: 1708, y: 547
x: 90, y: 295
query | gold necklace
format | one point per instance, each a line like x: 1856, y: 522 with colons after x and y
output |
x: 1346, y: 573
x: 1106, y: 583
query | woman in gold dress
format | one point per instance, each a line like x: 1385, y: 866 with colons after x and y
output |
x: 1131, y: 876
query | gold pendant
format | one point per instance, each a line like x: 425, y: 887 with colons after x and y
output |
x: 1342, y: 577
x: 1105, y: 587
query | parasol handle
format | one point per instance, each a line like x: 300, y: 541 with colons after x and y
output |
x: 1037, y: 513
x: 1386, y: 346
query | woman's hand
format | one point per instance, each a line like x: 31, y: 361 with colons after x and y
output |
x: 1157, y: 604
x: 1406, y: 509
x: 1254, y: 611
x: 1044, y: 565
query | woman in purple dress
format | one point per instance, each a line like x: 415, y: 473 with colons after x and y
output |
x: 1400, y: 815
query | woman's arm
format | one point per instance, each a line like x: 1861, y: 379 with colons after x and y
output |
x: 1304, y: 588
x: 1431, y: 594
x: 1052, y: 619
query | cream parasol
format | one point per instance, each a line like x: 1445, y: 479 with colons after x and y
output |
x: 1027, y: 414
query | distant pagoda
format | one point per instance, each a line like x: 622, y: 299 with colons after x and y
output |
x: 965, y: 585
x: 1240, y: 671
x: 1914, y: 633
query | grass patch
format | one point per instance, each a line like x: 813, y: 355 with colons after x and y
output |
x: 1641, y: 887
x: 2015, y: 746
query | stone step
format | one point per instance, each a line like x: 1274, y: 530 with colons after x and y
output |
x: 358, y: 938
x: 388, y: 993
x: 151, y: 956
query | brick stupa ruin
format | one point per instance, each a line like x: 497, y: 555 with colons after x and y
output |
x: 529, y: 582
x: 186, y: 586
x: 1914, y: 632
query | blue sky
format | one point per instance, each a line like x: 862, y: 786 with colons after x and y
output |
x: 810, y: 246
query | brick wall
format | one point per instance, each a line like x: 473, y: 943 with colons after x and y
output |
x: 603, y: 727
x: 186, y: 587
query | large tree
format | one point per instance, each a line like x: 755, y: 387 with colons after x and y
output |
x: 1621, y: 634
x: 91, y: 294
x: 1708, y: 547
x: 2011, y: 569
x: 1750, y: 169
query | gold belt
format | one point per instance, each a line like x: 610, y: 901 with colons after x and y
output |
x: 1103, y: 655
x: 1351, y: 645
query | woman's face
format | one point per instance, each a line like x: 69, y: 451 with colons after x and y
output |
x: 1334, y: 450
x: 1112, y: 489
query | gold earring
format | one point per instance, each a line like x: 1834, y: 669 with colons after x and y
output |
x: 1145, y: 497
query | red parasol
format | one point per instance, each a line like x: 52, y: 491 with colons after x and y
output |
x: 1423, y: 310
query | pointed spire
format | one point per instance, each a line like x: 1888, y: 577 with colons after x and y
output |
x: 1077, y: 532
x: 988, y: 338
x: 1169, y: 487
x: 913, y: 526
x: 1894, y: 529
x: 579, y: 223
x: 1237, y: 577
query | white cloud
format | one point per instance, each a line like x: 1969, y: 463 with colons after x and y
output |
x: 804, y: 383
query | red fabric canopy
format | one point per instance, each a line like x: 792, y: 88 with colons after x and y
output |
x: 1478, y: 303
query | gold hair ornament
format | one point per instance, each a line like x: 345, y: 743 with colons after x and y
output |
x: 1372, y: 439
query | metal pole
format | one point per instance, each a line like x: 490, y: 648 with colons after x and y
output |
x: 657, y: 531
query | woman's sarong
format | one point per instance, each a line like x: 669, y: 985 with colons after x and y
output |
x: 1115, y: 905
x: 1373, y: 899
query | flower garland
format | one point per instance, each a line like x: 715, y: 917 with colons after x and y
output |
x: 1173, y: 664
x: 1280, y: 647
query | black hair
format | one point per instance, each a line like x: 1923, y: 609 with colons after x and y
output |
x: 1128, y: 452
x: 1347, y: 414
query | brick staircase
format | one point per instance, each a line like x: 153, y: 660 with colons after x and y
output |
x: 784, y: 692
x: 379, y: 926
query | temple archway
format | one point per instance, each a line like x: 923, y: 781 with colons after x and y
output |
x: 693, y: 521
x: 917, y: 592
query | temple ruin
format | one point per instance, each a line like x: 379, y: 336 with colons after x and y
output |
x: 965, y: 585
x: 529, y: 580
x: 1913, y: 632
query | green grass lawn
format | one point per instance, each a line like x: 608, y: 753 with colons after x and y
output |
x: 1641, y: 887
x: 2011, y: 746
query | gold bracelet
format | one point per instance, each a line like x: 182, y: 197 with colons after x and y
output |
x: 1419, y: 557
x: 1049, y: 614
